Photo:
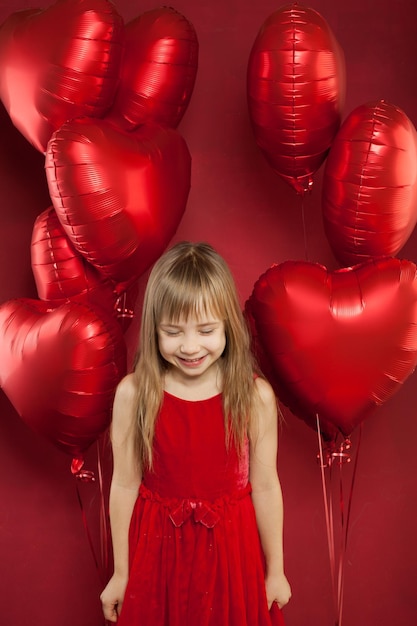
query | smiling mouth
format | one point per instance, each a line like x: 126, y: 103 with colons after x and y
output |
x: 192, y: 361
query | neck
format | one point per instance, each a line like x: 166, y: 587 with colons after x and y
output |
x: 199, y: 388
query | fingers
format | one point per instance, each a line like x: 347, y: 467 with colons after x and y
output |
x: 271, y: 605
x: 278, y: 603
x: 278, y: 591
x: 111, y: 612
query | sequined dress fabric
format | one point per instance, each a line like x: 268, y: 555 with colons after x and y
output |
x: 194, y: 549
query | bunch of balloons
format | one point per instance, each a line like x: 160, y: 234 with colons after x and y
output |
x: 102, y: 101
x: 335, y: 345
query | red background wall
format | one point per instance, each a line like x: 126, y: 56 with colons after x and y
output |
x: 48, y: 575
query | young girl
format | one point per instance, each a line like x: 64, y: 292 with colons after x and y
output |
x: 195, y: 501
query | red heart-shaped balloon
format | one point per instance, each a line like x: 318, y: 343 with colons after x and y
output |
x: 339, y: 343
x: 370, y: 184
x: 119, y: 196
x: 158, y: 71
x: 60, y: 272
x: 58, y: 64
x: 295, y: 88
x: 59, y: 368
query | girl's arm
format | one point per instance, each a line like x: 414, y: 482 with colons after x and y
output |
x: 266, y: 491
x: 123, y: 493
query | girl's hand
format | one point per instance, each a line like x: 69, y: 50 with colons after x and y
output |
x: 112, y: 598
x: 277, y: 590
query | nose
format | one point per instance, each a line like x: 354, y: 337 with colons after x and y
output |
x: 189, y: 346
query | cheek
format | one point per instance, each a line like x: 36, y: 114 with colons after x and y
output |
x: 168, y: 345
x: 162, y: 344
x: 222, y: 343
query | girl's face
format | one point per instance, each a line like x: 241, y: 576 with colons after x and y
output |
x: 193, y: 346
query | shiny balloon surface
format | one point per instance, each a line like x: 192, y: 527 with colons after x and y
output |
x: 296, y: 89
x: 338, y: 344
x: 119, y: 196
x: 158, y: 71
x: 60, y: 368
x: 370, y: 184
x: 58, y: 64
x: 61, y: 273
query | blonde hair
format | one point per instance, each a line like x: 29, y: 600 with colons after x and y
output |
x: 191, y: 280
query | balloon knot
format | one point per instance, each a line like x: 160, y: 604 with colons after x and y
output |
x: 334, y: 453
x: 81, y: 474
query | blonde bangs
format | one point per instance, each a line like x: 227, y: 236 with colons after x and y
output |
x: 188, y: 296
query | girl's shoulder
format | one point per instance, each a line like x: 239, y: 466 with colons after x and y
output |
x: 265, y: 411
x: 126, y: 389
x: 123, y: 408
x: 263, y: 391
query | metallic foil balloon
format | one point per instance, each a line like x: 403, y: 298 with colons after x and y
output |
x: 339, y: 343
x: 370, y: 184
x: 328, y: 431
x: 266, y: 364
x: 159, y: 69
x: 59, y: 368
x: 119, y: 196
x: 60, y: 272
x: 59, y: 63
x: 295, y: 89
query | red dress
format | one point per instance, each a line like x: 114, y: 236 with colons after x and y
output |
x: 195, y: 554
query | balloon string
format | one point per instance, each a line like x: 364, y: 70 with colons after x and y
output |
x: 342, y: 554
x: 86, y: 527
x: 337, y: 563
x: 328, y: 514
x: 345, y: 526
x: 102, y: 568
x: 304, y: 228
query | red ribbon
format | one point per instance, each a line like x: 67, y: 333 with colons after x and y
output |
x: 201, y: 512
x: 206, y: 512
x: 339, y: 456
x: 87, y: 476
